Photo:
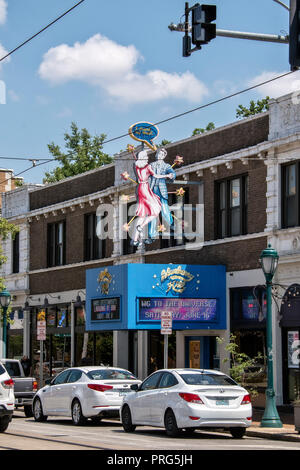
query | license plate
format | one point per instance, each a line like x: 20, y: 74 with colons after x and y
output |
x: 222, y: 402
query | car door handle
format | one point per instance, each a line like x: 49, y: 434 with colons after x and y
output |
x: 57, y: 388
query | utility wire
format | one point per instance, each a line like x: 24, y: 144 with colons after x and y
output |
x: 41, y: 31
x: 210, y: 103
x: 168, y: 119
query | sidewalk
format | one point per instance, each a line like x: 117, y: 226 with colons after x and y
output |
x: 286, y: 433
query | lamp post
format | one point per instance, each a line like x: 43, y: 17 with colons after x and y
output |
x: 5, y: 299
x: 269, y: 261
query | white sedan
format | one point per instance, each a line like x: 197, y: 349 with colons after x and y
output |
x: 187, y: 399
x: 84, y: 392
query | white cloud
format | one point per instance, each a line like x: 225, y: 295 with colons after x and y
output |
x: 95, y: 60
x: 274, y: 89
x: 102, y: 62
x: 3, y: 11
x: 157, y: 85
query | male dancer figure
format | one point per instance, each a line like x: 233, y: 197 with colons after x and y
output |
x: 159, y: 187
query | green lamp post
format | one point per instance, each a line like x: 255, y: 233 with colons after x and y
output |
x: 269, y: 261
x: 5, y: 299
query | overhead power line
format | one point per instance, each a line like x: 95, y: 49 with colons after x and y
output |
x: 41, y: 31
x: 209, y: 104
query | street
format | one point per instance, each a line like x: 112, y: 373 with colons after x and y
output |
x: 60, y: 434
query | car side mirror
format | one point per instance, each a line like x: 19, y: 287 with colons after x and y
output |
x: 134, y: 387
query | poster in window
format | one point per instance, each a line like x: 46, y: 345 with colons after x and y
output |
x: 194, y: 354
x: 250, y: 308
x: 51, y: 317
x: 62, y: 317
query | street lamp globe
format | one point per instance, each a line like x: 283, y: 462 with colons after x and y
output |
x: 5, y: 299
x: 269, y: 262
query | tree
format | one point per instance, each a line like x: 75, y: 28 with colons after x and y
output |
x: 244, y: 370
x: 83, y: 153
x: 254, y: 108
x: 210, y: 126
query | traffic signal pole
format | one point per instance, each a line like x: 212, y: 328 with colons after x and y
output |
x: 293, y: 38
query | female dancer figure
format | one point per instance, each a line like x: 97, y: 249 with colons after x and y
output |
x: 149, y: 204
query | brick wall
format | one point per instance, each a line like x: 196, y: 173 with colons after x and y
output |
x: 70, y: 188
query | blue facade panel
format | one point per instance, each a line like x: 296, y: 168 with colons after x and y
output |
x: 132, y: 297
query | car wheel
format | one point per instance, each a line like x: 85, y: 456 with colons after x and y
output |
x: 171, y: 425
x: 238, y: 433
x: 28, y: 411
x: 126, y: 420
x: 38, y: 411
x: 77, y: 416
x: 4, y: 422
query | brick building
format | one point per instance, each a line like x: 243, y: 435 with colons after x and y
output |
x: 228, y: 171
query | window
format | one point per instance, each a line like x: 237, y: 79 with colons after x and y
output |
x: 290, y: 195
x: 170, y: 238
x: 127, y: 247
x: 61, y: 378
x: 232, y: 207
x: 94, y: 247
x: 207, y: 379
x: 151, y: 382
x: 56, y: 244
x: 168, y: 380
x: 16, y: 253
x: 74, y: 376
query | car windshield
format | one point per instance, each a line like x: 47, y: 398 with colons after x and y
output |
x: 110, y: 374
x: 207, y: 379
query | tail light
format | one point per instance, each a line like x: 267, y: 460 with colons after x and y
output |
x: 246, y: 400
x: 191, y: 398
x: 100, y: 388
x: 8, y: 383
x: 34, y: 385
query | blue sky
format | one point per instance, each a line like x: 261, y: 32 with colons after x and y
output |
x: 109, y: 64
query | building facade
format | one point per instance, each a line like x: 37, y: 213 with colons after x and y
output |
x: 235, y: 202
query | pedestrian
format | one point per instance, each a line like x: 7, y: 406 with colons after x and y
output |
x: 26, y: 364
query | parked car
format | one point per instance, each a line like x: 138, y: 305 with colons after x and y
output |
x: 7, y: 398
x: 84, y: 392
x: 57, y: 367
x: 24, y: 387
x: 188, y: 399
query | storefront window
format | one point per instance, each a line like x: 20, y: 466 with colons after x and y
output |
x: 156, y: 351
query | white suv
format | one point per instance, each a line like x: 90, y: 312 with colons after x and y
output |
x: 7, y: 398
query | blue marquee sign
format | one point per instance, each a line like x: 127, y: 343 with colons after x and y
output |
x: 132, y: 296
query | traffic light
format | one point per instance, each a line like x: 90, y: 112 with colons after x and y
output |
x: 186, y: 49
x: 203, y: 30
x: 295, y: 34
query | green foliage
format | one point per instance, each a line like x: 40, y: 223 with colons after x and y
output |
x: 84, y: 153
x: 210, y: 126
x: 254, y: 108
x: 164, y: 142
x: 243, y: 369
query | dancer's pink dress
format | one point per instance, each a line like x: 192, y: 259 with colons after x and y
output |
x: 148, y: 203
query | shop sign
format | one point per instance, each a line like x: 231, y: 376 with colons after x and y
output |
x: 144, y: 132
x: 188, y: 310
x: 166, y: 323
x: 293, y: 349
x: 105, y: 309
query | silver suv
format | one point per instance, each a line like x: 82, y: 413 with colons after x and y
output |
x: 7, y: 398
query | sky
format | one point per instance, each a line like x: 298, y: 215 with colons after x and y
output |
x: 109, y: 64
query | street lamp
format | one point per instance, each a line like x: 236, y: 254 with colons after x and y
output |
x: 5, y: 299
x: 269, y: 261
